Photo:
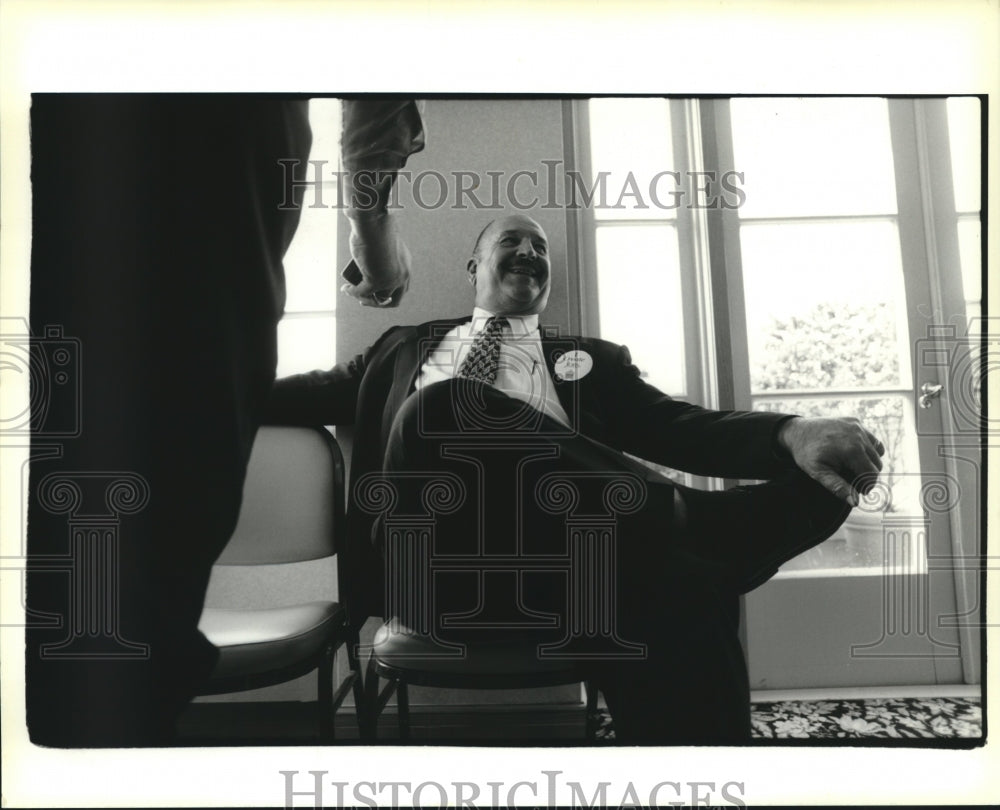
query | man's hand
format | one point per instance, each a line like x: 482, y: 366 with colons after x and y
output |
x: 839, y: 453
x: 383, y: 258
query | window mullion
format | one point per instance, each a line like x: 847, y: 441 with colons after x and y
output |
x: 699, y: 339
x: 725, y: 262
x: 579, y: 121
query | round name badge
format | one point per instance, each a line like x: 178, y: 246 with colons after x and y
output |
x: 574, y: 365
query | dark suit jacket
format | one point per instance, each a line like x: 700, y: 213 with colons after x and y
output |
x: 611, y: 404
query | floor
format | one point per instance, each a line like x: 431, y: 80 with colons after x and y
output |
x: 890, y: 716
x: 912, y: 718
x: 209, y: 724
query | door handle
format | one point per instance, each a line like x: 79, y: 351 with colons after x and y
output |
x: 929, y: 392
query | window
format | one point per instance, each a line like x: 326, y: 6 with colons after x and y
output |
x: 823, y: 281
x: 807, y: 259
x: 307, y: 333
x: 639, y: 290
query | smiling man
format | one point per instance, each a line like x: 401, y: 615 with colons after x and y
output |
x: 497, y: 405
x: 510, y: 267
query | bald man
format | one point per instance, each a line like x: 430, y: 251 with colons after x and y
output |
x: 495, y: 403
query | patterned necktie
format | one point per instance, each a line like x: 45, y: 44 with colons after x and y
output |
x: 483, y: 359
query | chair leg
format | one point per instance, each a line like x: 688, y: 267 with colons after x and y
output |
x: 403, y: 709
x: 325, y: 694
x: 361, y: 704
x: 590, y: 731
x: 371, y: 700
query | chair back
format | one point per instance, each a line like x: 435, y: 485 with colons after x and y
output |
x: 293, y: 499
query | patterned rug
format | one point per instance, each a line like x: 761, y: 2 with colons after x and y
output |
x: 887, y: 718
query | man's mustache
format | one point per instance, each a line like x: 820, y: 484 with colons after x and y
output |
x: 526, y: 266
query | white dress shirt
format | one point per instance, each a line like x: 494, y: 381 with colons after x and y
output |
x: 522, y: 373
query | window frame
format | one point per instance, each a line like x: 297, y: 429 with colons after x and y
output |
x: 699, y: 343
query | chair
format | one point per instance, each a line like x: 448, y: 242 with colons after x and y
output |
x: 293, y: 506
x: 404, y: 657
x: 527, y: 658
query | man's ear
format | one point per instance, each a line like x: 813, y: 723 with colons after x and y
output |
x: 470, y: 268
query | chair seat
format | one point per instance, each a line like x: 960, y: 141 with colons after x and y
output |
x: 506, y: 663
x: 252, y: 642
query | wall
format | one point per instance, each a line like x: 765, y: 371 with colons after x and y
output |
x: 464, y: 136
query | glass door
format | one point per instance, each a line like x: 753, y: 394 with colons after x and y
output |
x: 840, y: 301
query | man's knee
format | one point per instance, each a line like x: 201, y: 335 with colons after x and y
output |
x: 422, y: 414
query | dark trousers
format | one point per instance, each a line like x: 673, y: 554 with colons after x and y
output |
x: 526, y: 480
x: 156, y: 263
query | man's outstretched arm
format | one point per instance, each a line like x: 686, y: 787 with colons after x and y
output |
x: 315, y: 398
x: 324, y: 397
x: 839, y: 453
